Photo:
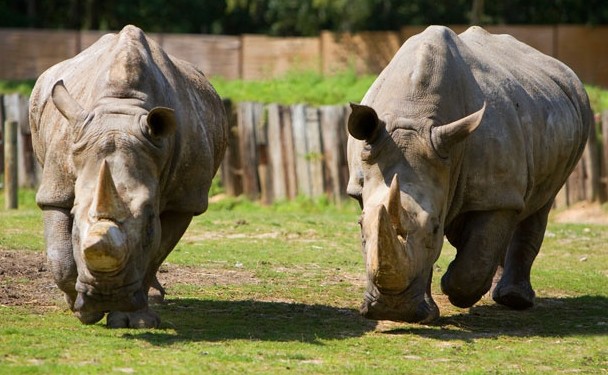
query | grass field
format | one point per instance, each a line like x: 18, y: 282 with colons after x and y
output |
x: 301, y: 87
x: 276, y: 289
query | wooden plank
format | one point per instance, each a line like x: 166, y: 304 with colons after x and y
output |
x: 576, y: 183
x: 16, y: 108
x: 561, y: 199
x: 11, y: 179
x: 275, y: 153
x: 314, y: 155
x: 592, y: 167
x: 332, y: 119
x: 604, y: 159
x: 261, y: 140
x: 231, y: 174
x: 2, y: 120
x: 289, y: 158
x: 248, y: 150
x: 298, y: 118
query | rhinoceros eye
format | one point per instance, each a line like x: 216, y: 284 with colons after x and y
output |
x: 371, y: 149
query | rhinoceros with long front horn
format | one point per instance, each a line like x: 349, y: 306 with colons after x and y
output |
x: 129, y: 139
x: 470, y: 136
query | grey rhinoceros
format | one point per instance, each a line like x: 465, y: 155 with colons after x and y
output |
x: 129, y: 139
x: 470, y: 136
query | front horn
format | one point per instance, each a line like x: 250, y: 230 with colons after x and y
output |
x: 386, y: 259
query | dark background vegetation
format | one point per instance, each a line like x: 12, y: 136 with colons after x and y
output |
x: 290, y: 17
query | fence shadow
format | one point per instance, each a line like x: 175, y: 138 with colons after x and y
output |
x: 210, y: 320
x: 550, y: 317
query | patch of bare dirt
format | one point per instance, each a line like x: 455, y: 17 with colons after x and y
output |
x: 25, y: 279
x: 582, y: 212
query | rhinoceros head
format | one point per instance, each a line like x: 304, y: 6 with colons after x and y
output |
x: 401, y: 175
x: 117, y: 157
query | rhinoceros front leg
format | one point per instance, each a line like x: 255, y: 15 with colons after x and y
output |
x: 481, y: 240
x: 173, y: 226
x: 58, y: 239
x: 514, y: 289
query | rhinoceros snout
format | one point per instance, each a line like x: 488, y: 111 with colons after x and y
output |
x: 104, y: 249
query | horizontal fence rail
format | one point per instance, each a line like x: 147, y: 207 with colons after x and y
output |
x: 27, y: 53
x: 279, y: 152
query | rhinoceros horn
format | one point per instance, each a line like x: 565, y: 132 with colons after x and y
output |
x: 104, y: 248
x: 386, y: 257
x: 107, y: 204
x: 445, y: 136
x: 395, y: 211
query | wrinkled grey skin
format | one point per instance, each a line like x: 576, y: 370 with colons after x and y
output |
x: 129, y: 139
x: 470, y: 136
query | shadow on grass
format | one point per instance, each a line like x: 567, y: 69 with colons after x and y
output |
x: 550, y: 317
x: 209, y: 320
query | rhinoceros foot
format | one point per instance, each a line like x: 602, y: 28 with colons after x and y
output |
x: 145, y: 318
x: 399, y: 309
x: 89, y: 317
x: 516, y: 296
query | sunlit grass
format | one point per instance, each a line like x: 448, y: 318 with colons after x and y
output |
x: 275, y: 289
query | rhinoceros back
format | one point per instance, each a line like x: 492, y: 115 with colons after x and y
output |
x: 534, y: 130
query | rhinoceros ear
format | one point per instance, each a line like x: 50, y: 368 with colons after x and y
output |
x: 443, y: 137
x: 66, y: 104
x: 363, y: 122
x: 161, y: 122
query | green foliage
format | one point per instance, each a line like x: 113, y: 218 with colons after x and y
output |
x: 298, y: 87
x: 23, y: 87
x: 288, y: 17
x: 598, y: 98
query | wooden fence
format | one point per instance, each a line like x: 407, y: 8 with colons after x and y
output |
x: 278, y: 152
x: 26, y: 53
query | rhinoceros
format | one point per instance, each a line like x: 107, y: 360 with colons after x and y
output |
x: 129, y: 139
x: 470, y: 137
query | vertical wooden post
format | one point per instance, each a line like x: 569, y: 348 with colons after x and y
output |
x: 604, y: 159
x: 261, y: 141
x: 592, y: 167
x: 11, y: 181
x: 288, y: 152
x: 249, y: 157
x: 315, y: 152
x: 275, y: 151
x: 298, y: 117
x: 232, y: 178
x: 332, y: 119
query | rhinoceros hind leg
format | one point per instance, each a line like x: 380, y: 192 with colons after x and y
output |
x: 481, y: 239
x: 145, y: 318
x: 156, y: 293
x: 514, y: 289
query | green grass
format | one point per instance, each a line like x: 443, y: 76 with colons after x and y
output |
x: 301, y: 87
x: 276, y: 290
x: 297, y: 87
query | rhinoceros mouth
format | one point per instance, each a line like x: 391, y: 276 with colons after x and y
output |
x: 128, y: 297
x: 399, y: 308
